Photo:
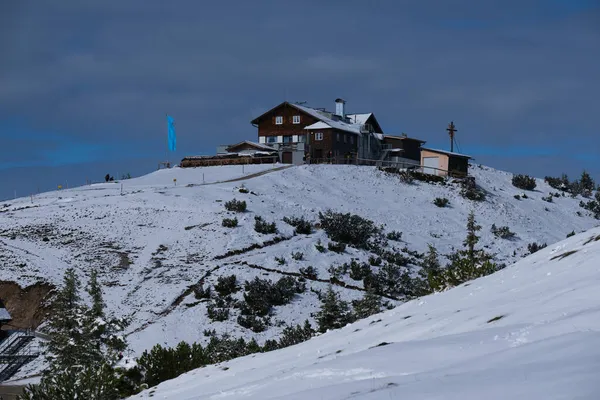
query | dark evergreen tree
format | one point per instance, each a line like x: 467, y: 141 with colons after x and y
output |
x: 370, y: 304
x: 431, y: 273
x: 335, y: 313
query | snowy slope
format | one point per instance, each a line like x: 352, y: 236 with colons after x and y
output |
x: 530, y: 331
x: 156, y: 239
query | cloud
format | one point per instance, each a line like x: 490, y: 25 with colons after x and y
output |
x: 104, y: 73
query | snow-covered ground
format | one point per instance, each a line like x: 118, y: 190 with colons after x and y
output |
x: 530, y: 331
x: 153, y: 238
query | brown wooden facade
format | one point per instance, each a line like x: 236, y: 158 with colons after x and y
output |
x: 268, y: 127
x: 334, y: 144
x: 411, y: 147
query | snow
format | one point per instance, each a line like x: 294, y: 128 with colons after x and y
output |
x: 4, y: 315
x: 450, y: 153
x: 154, y: 238
x: 530, y: 331
x: 332, y: 123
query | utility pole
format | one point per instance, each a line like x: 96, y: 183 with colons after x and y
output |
x: 451, y: 130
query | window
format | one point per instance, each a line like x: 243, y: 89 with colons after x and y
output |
x: 345, y: 138
x: 351, y: 139
x: 296, y: 119
x: 319, y: 136
x: 287, y: 139
x: 271, y: 139
x: 338, y: 136
x: 302, y: 138
x: 278, y: 120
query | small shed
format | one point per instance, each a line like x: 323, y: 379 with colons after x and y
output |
x: 444, y: 163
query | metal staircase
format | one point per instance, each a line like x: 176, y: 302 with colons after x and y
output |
x: 16, y: 351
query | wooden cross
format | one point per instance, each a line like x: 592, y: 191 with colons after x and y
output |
x: 451, y: 130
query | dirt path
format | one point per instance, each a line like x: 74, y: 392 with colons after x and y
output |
x: 243, y: 178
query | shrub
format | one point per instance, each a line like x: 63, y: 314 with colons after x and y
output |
x: 524, y: 182
x: 252, y: 322
x: 336, y: 247
x: 471, y: 191
x: 534, y: 247
x: 235, y: 205
x: 394, y: 235
x: 230, y: 222
x: 261, y: 226
x: 375, y: 261
x: 548, y: 198
x: 319, y: 246
x: 261, y: 295
x: 517, y: 197
x: 293, y: 335
x: 502, y: 232
x: 303, y: 226
x: 217, y: 313
x: 561, y: 183
x: 358, y: 272
x: 309, y: 272
x: 348, y: 228
x: 441, y: 201
x: 280, y: 260
x: 593, y: 205
x: 298, y: 256
x: 572, y: 233
x: 200, y: 293
x: 226, y: 285
x: 243, y: 190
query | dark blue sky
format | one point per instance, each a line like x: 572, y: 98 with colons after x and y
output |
x: 84, y: 87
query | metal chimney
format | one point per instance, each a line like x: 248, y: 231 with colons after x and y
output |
x: 339, y: 108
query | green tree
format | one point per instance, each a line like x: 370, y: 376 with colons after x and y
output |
x: 369, y: 305
x: 335, y: 313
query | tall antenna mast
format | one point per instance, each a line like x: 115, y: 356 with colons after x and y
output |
x: 451, y: 130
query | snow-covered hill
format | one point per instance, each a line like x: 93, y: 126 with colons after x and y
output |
x: 530, y: 331
x: 153, y: 239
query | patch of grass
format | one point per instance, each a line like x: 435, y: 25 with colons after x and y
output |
x: 564, y: 255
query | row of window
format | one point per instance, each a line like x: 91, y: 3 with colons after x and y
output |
x: 279, y: 120
x: 288, y: 139
x: 302, y: 138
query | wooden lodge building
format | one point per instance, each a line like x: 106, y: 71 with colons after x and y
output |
x: 293, y: 133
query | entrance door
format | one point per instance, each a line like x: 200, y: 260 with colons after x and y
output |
x: 286, y: 157
x: 431, y: 165
x: 318, y: 155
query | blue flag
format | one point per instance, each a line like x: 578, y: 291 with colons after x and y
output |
x: 171, y: 129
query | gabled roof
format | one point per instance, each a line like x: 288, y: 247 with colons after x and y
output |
x: 326, y: 118
x: 359, y: 118
x: 258, y: 146
x: 449, y: 153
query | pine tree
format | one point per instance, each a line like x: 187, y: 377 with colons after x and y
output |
x: 81, y: 349
x: 587, y: 184
x: 101, y: 331
x: 67, y: 348
x: 472, y: 239
x: 431, y: 273
x: 369, y: 305
x: 470, y: 263
x: 335, y: 313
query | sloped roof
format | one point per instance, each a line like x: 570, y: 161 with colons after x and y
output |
x: 326, y: 117
x: 449, y: 153
x: 403, y: 138
x: 253, y: 144
x: 359, y: 118
x: 332, y: 123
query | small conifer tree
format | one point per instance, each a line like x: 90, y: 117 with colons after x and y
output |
x: 335, y: 313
